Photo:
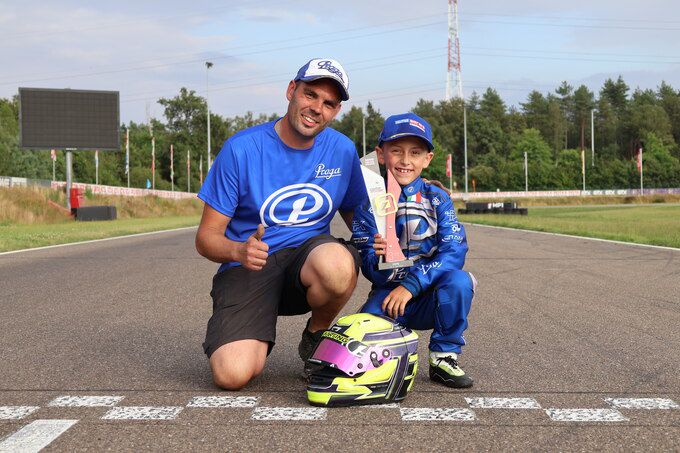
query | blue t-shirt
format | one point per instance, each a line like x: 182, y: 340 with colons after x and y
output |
x: 256, y: 178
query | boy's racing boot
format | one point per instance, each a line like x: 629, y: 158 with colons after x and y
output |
x: 445, y: 370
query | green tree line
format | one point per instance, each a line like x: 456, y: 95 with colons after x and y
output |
x: 551, y: 128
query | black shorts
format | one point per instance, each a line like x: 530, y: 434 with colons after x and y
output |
x: 246, y: 303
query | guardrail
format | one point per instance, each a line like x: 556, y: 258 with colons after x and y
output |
x: 11, y: 181
x: 562, y: 193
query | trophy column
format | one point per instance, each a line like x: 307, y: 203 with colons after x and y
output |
x: 384, y: 204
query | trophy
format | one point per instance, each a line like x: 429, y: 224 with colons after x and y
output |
x: 384, y: 206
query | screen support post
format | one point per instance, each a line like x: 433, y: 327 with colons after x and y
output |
x: 69, y: 176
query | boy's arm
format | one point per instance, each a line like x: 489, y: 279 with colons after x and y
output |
x: 363, y: 232
x: 356, y: 192
x: 347, y: 217
x: 450, y: 255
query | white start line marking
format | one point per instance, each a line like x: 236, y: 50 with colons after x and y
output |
x: 142, y: 413
x: 16, y: 412
x: 85, y: 401
x: 223, y: 401
x: 35, y: 436
x: 503, y: 403
x: 289, y: 413
x: 436, y: 414
x: 585, y: 415
x: 642, y: 403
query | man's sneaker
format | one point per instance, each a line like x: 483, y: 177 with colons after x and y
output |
x: 308, y: 342
x: 306, y: 348
x: 445, y: 370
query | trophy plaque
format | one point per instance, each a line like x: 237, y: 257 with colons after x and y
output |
x: 384, y: 206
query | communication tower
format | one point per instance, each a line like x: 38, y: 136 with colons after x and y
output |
x: 454, y: 54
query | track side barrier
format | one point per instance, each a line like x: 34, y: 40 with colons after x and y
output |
x: 562, y: 193
x: 124, y: 191
x: 493, y: 207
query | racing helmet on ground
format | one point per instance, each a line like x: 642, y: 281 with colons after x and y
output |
x: 363, y: 359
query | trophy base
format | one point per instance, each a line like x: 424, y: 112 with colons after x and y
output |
x: 394, y: 265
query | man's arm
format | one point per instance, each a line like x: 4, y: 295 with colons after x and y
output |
x: 214, y: 245
x: 347, y: 216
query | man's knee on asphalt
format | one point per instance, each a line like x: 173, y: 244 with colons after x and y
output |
x: 234, y: 365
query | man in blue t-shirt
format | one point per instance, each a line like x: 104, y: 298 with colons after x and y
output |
x: 269, y: 199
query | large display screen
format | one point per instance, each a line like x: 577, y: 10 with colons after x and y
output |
x: 69, y: 119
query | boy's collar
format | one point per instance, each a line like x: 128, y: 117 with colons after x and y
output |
x: 413, y: 187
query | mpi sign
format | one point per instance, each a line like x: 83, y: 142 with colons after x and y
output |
x: 69, y: 119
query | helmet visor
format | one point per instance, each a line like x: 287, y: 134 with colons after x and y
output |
x: 351, y: 358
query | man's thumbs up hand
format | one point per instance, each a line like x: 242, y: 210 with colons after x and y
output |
x: 259, y: 233
x: 254, y: 251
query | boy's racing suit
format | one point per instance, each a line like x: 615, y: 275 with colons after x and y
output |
x: 430, y: 235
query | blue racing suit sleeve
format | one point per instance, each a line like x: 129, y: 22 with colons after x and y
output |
x: 449, y: 255
x: 363, y: 237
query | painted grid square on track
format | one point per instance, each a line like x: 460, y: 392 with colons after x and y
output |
x: 289, y: 413
x: 585, y: 415
x: 382, y: 406
x: 16, y: 412
x: 436, y: 414
x: 85, y: 401
x: 142, y: 413
x: 503, y: 403
x: 224, y: 401
x: 642, y: 403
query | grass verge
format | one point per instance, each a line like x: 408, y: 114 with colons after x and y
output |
x: 645, y: 224
x: 23, y: 236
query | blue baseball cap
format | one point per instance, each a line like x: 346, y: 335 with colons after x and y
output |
x: 404, y: 125
x: 325, y: 68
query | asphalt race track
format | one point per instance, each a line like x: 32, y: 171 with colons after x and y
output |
x: 573, y: 344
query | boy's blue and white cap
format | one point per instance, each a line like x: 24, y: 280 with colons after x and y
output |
x: 320, y: 68
x: 406, y: 124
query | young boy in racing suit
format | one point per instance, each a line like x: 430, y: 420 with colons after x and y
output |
x: 435, y: 293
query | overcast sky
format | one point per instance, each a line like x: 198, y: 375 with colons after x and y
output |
x: 394, y: 51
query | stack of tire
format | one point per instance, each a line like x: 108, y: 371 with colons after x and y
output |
x: 493, y: 208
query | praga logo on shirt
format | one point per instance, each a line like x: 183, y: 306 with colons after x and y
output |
x: 296, y: 205
x: 327, y: 173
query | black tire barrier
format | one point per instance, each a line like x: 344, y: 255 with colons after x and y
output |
x: 493, y: 208
x: 91, y: 213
